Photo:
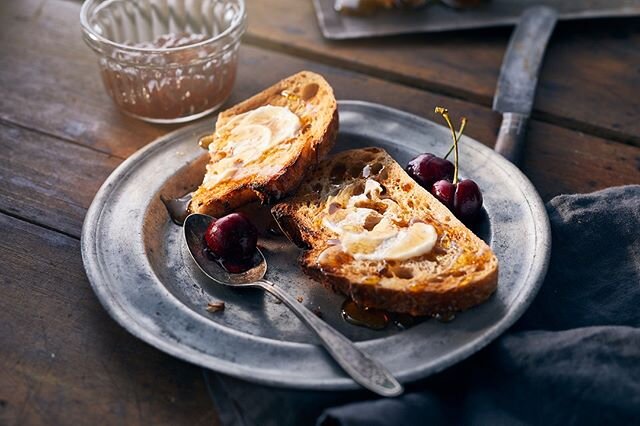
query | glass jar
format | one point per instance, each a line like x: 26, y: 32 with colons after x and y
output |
x: 166, y: 61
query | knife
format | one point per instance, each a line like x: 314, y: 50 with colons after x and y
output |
x: 518, y: 78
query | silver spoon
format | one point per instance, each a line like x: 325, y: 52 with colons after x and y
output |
x: 364, y: 370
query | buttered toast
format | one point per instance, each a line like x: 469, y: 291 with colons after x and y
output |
x: 263, y: 147
x: 374, y: 234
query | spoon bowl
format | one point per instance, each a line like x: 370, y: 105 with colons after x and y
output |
x: 195, y: 226
x: 361, y: 367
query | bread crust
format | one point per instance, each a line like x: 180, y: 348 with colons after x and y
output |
x: 451, y: 281
x: 315, y: 141
x: 428, y: 301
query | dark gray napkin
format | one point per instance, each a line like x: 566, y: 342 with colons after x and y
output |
x: 573, y: 358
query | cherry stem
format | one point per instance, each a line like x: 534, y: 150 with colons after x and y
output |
x: 463, y: 123
x: 445, y: 114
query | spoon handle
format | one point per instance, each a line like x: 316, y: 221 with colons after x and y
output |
x: 364, y: 370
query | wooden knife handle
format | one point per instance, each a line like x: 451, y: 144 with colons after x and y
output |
x: 511, y: 136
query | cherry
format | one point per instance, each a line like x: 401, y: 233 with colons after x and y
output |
x: 234, y: 266
x: 462, y: 197
x: 232, y: 237
x: 237, y: 267
x: 467, y: 201
x: 444, y: 191
x: 426, y: 169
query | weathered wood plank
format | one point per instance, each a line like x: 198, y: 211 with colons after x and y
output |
x: 50, y: 80
x: 557, y: 160
x: 51, y: 83
x: 47, y: 180
x: 589, y: 75
x: 51, y: 183
x: 64, y: 361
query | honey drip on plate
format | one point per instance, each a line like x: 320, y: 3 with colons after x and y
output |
x: 446, y: 317
x: 178, y: 208
x: 378, y: 319
x: 404, y: 321
x: 205, y: 140
x: 375, y: 319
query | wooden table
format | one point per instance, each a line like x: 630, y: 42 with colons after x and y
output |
x: 62, y: 359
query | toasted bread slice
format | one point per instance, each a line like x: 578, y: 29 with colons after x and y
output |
x: 460, y: 270
x: 241, y: 170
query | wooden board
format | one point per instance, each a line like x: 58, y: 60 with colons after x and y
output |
x: 53, y: 181
x: 64, y: 361
x: 575, y: 89
x: 47, y: 180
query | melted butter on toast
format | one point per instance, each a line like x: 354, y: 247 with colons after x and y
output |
x: 370, y: 227
x: 254, y: 143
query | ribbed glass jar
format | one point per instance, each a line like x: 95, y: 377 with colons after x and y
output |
x: 166, y: 61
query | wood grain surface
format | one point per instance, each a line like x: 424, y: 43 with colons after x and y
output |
x: 584, y: 84
x: 62, y: 359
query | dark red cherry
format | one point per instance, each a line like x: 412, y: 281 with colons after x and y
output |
x: 444, y: 191
x: 427, y: 169
x: 467, y: 201
x: 232, y: 237
x: 238, y: 266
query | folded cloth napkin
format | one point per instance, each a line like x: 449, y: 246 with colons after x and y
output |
x: 573, y: 358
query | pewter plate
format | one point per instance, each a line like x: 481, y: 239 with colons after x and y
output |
x: 437, y: 17
x: 139, y: 269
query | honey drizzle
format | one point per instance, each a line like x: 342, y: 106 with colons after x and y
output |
x: 374, y: 319
x: 378, y: 319
x: 178, y: 208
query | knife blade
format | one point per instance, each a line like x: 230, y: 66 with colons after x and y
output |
x: 516, y: 87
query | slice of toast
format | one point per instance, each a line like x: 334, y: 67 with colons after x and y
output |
x: 241, y: 171
x: 460, y: 271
